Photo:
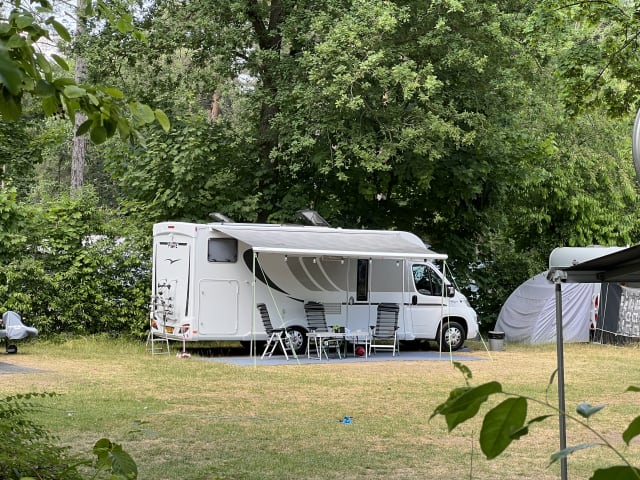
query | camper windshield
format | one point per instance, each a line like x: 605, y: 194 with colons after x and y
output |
x: 426, y: 280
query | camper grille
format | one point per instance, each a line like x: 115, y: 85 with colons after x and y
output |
x: 333, y: 308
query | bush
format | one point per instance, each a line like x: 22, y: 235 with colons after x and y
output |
x: 27, y: 450
x: 81, y: 269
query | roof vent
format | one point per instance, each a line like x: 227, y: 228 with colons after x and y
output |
x: 311, y: 217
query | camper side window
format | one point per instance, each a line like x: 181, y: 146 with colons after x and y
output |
x: 223, y: 250
x: 362, y: 287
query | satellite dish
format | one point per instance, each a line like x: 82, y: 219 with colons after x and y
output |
x: 312, y: 218
x: 635, y: 145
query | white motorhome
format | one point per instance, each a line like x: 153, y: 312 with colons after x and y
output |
x: 209, y: 278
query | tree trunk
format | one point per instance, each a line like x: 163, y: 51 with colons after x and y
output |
x: 79, y: 148
x: 215, y: 106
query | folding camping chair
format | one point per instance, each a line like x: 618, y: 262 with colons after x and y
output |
x: 277, y: 336
x: 385, y: 333
x: 317, y: 322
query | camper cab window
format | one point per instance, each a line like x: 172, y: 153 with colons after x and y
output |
x: 222, y: 250
x: 426, y: 280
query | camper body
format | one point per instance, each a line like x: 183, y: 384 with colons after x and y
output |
x: 208, y: 279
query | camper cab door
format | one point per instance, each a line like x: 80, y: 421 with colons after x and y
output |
x: 425, y: 288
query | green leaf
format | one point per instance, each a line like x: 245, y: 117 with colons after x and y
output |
x: 163, y: 120
x: 60, y: 61
x: 62, y: 82
x: 122, y: 463
x: 60, y: 29
x: 142, y: 111
x: 569, y: 450
x: 10, y: 75
x: 618, y: 472
x: 123, y: 129
x: 44, y: 88
x: 10, y: 109
x: 43, y: 63
x: 112, y: 92
x: 632, y: 389
x: 632, y: 431
x: 517, y: 434
x: 101, y: 450
x: 50, y: 105
x: 124, y: 24
x: 112, y: 458
x: 74, y: 91
x: 23, y: 21
x: 464, y: 403
x: 98, y: 135
x: 84, y: 128
x: 15, y: 42
x: 585, y: 409
x: 499, y: 425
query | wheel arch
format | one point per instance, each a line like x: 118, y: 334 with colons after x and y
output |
x: 463, y: 323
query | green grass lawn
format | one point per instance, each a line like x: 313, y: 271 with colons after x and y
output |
x: 192, y: 419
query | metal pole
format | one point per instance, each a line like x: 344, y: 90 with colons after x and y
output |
x: 253, y: 349
x: 561, y: 402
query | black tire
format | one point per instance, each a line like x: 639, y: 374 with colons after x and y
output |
x: 298, y: 338
x: 12, y: 349
x: 454, y: 333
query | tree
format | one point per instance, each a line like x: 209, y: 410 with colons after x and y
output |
x: 357, y: 108
x: 598, y: 59
x: 25, y: 70
x: 79, y: 147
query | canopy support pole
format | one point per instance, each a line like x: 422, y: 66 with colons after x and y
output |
x: 561, y: 399
x: 253, y: 349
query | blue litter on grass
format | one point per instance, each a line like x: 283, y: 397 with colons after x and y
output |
x: 346, y: 420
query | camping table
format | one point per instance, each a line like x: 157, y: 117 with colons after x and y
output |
x: 357, y: 337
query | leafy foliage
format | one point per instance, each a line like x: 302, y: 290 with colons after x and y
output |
x: 27, y: 450
x: 598, y: 60
x: 25, y: 70
x: 507, y: 422
x: 84, y: 271
x: 443, y: 118
x: 112, y: 458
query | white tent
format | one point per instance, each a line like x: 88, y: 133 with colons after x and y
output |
x: 529, y: 314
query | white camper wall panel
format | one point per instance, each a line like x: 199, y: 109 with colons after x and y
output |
x: 218, y: 307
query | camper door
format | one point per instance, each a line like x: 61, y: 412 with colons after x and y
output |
x: 171, y: 281
x: 425, y: 286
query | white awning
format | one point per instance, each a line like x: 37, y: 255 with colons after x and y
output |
x: 325, y: 241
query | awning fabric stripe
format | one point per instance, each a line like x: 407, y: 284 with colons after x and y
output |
x: 324, y: 241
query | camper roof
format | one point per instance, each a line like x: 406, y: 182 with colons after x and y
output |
x: 325, y: 241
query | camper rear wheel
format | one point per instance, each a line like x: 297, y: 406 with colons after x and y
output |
x: 298, y: 339
x: 452, y: 335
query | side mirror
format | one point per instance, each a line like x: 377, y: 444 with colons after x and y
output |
x: 451, y: 290
x: 414, y: 300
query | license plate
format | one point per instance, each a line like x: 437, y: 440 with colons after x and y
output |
x: 168, y: 329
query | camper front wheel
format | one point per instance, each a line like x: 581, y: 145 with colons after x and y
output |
x: 452, y: 335
x: 298, y: 339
